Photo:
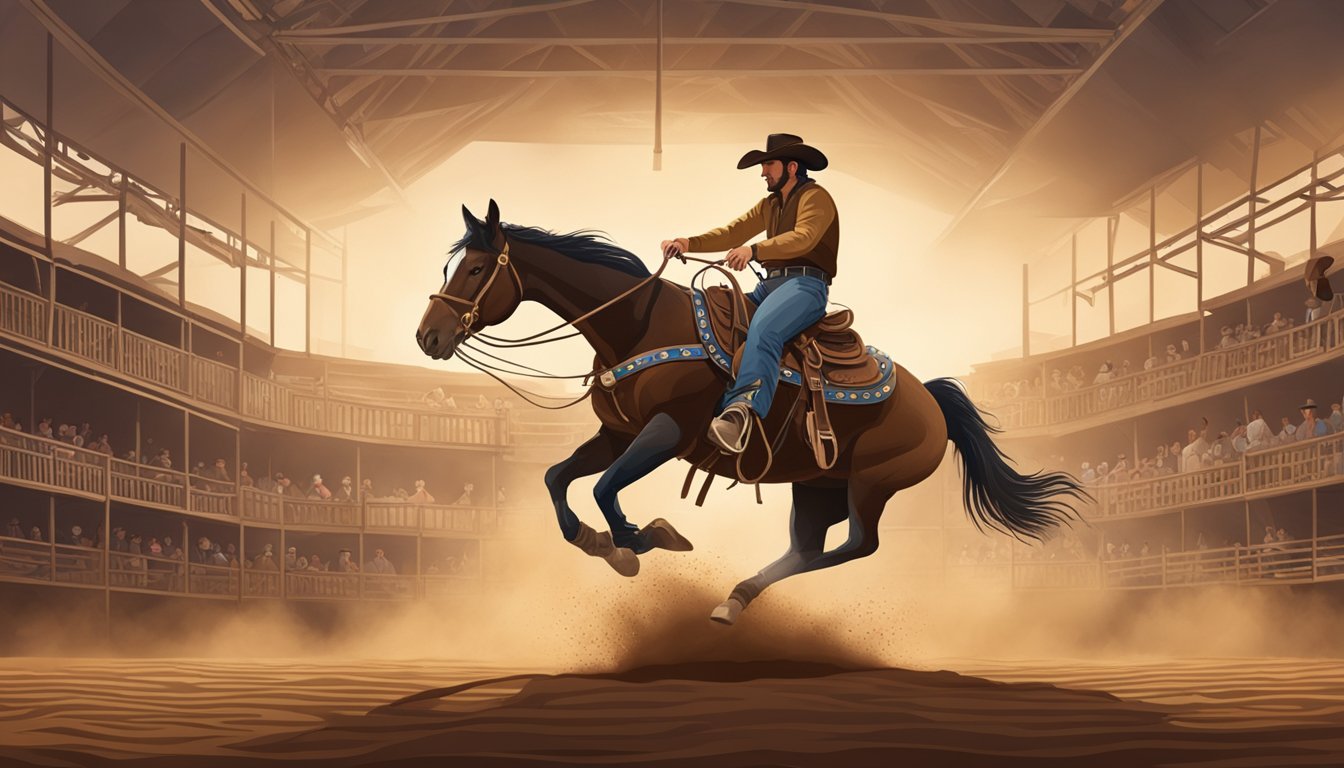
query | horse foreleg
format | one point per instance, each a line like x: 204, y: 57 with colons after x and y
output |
x: 592, y: 457
x: 654, y: 446
x: 815, y: 510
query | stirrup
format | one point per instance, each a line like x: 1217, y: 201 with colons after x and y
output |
x: 740, y: 445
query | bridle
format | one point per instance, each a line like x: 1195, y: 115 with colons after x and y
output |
x: 473, y: 314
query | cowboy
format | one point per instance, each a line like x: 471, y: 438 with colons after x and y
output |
x: 1311, y: 426
x: 802, y: 231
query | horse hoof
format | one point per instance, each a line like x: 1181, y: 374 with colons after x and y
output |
x: 623, y: 561
x: 727, y: 612
x: 662, y: 535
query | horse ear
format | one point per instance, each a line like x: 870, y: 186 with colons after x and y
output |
x: 492, y: 216
x: 470, y: 220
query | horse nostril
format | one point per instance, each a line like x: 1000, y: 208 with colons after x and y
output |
x: 431, y: 341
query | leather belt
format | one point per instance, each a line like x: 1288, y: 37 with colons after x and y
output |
x: 816, y: 272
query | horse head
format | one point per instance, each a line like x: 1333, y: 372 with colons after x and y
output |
x: 481, y: 287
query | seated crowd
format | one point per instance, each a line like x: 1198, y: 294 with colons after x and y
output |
x: 1076, y: 378
x: 1204, y: 449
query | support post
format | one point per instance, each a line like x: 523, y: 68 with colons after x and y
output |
x: 1026, y: 314
x: 242, y: 279
x: 107, y: 545
x: 51, y: 532
x: 345, y: 290
x: 1199, y: 248
x: 308, y: 292
x: 271, y: 259
x: 1112, y: 227
x: 121, y: 222
x: 1250, y: 221
x: 186, y: 566
x: 658, y: 96
x: 182, y: 227
x: 1152, y: 258
x: 1073, y: 292
x: 1315, y: 531
x: 49, y: 150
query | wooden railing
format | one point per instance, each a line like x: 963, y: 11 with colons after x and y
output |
x: 1212, y: 367
x: 1295, y: 463
x: 392, y: 515
x: 86, y: 336
x: 1183, y: 489
x: 153, y: 361
x: 213, y: 502
x: 144, y: 483
x: 261, y: 506
x: 1056, y: 575
x: 316, y: 584
x: 214, y: 383
x: 23, y: 314
x: 321, y: 513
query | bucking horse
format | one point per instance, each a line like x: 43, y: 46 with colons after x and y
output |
x: 661, y: 364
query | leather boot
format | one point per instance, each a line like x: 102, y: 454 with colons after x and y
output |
x: 730, y: 429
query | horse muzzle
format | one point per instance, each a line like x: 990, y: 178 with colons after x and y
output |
x: 437, y: 345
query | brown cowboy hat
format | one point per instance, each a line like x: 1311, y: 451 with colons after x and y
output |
x: 779, y: 146
x: 1309, y: 404
x: 1317, y: 283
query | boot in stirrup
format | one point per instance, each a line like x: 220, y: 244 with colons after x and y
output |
x: 730, y: 429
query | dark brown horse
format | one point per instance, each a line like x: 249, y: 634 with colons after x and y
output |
x: 662, y: 412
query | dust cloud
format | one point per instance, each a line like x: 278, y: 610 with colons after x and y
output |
x: 548, y: 607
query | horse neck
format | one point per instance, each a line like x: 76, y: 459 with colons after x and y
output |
x: 571, y: 289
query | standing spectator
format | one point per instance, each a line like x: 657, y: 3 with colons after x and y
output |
x: 1258, y: 436
x: 14, y: 531
x: 347, y: 492
x: 1336, y: 420
x: 1277, y: 324
x: 1316, y: 310
x: 169, y: 548
x: 1172, y: 355
x: 44, y: 428
x: 245, y: 479
x: 119, y: 542
x: 366, y: 490
x: 315, y: 563
x: 421, y: 495
x: 203, y: 553
x: 219, y: 475
x: 291, y: 558
x: 465, y: 498
x: 1228, y: 340
x: 1310, y: 426
x: 344, y: 564
x: 318, y: 490
x: 380, y: 564
x: 1288, y: 432
x: 75, y: 532
x: 35, y: 534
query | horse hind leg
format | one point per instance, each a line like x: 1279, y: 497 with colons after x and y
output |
x: 815, y: 510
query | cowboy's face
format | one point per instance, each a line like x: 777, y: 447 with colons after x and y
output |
x: 776, y: 174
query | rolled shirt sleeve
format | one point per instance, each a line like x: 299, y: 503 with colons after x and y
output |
x: 737, y: 232
x: 816, y: 213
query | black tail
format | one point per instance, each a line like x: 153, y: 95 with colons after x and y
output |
x: 995, y: 494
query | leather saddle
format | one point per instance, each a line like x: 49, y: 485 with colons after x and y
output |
x: 844, y: 360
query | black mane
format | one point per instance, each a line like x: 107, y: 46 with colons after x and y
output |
x: 586, y: 245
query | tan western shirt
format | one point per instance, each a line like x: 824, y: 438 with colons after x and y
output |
x: 803, y: 230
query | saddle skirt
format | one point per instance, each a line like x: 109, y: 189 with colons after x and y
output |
x: 852, y: 373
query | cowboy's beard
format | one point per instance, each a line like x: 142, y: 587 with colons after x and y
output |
x: 775, y: 186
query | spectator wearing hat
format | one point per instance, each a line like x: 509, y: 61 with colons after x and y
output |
x: 344, y: 563
x: 244, y: 479
x: 346, y: 493
x: 1311, y: 426
x: 380, y: 564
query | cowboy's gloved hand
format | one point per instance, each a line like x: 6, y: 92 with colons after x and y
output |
x: 738, y: 257
x: 677, y: 246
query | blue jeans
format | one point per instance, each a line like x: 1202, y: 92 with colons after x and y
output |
x: 785, y: 307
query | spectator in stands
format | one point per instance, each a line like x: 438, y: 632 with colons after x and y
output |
x: 482, y: 403
x: 44, y: 428
x: 35, y: 534
x: 169, y: 548
x: 231, y: 555
x: 1089, y: 474
x: 119, y: 542
x: 380, y: 564
x: 343, y: 562
x: 265, y: 561
x: 1258, y: 436
x: 465, y: 498
x: 1105, y: 373
x: 202, y: 554
x: 317, y: 490
x: 7, y: 420
x: 217, y: 557
x: 291, y: 558
x: 1228, y: 340
x: 1277, y: 324
x: 1056, y: 385
x: 75, y: 532
x: 366, y: 490
x: 244, y: 479
x: 1336, y: 420
x: 14, y: 531
x: 84, y: 435
x: 1172, y: 355
x: 315, y: 563
x: 164, y: 460
x: 346, y: 493
x: 1194, y: 455
x: 286, y: 487
x: 1288, y: 433
x: 198, y: 477
x: 155, y: 548
x: 1316, y: 310
x: 219, y: 475
x: 1222, y: 449
x: 421, y: 495
x: 1310, y: 426
x: 500, y: 500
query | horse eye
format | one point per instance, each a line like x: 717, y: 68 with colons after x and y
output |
x: 476, y: 271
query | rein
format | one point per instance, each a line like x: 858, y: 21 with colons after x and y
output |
x: 471, y: 315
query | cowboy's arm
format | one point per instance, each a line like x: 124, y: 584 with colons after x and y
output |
x: 816, y: 212
x: 737, y: 232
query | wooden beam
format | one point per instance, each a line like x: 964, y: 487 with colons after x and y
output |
x: 781, y: 41
x: 429, y: 20
x: 926, y: 21
x: 648, y: 74
x: 1122, y: 33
